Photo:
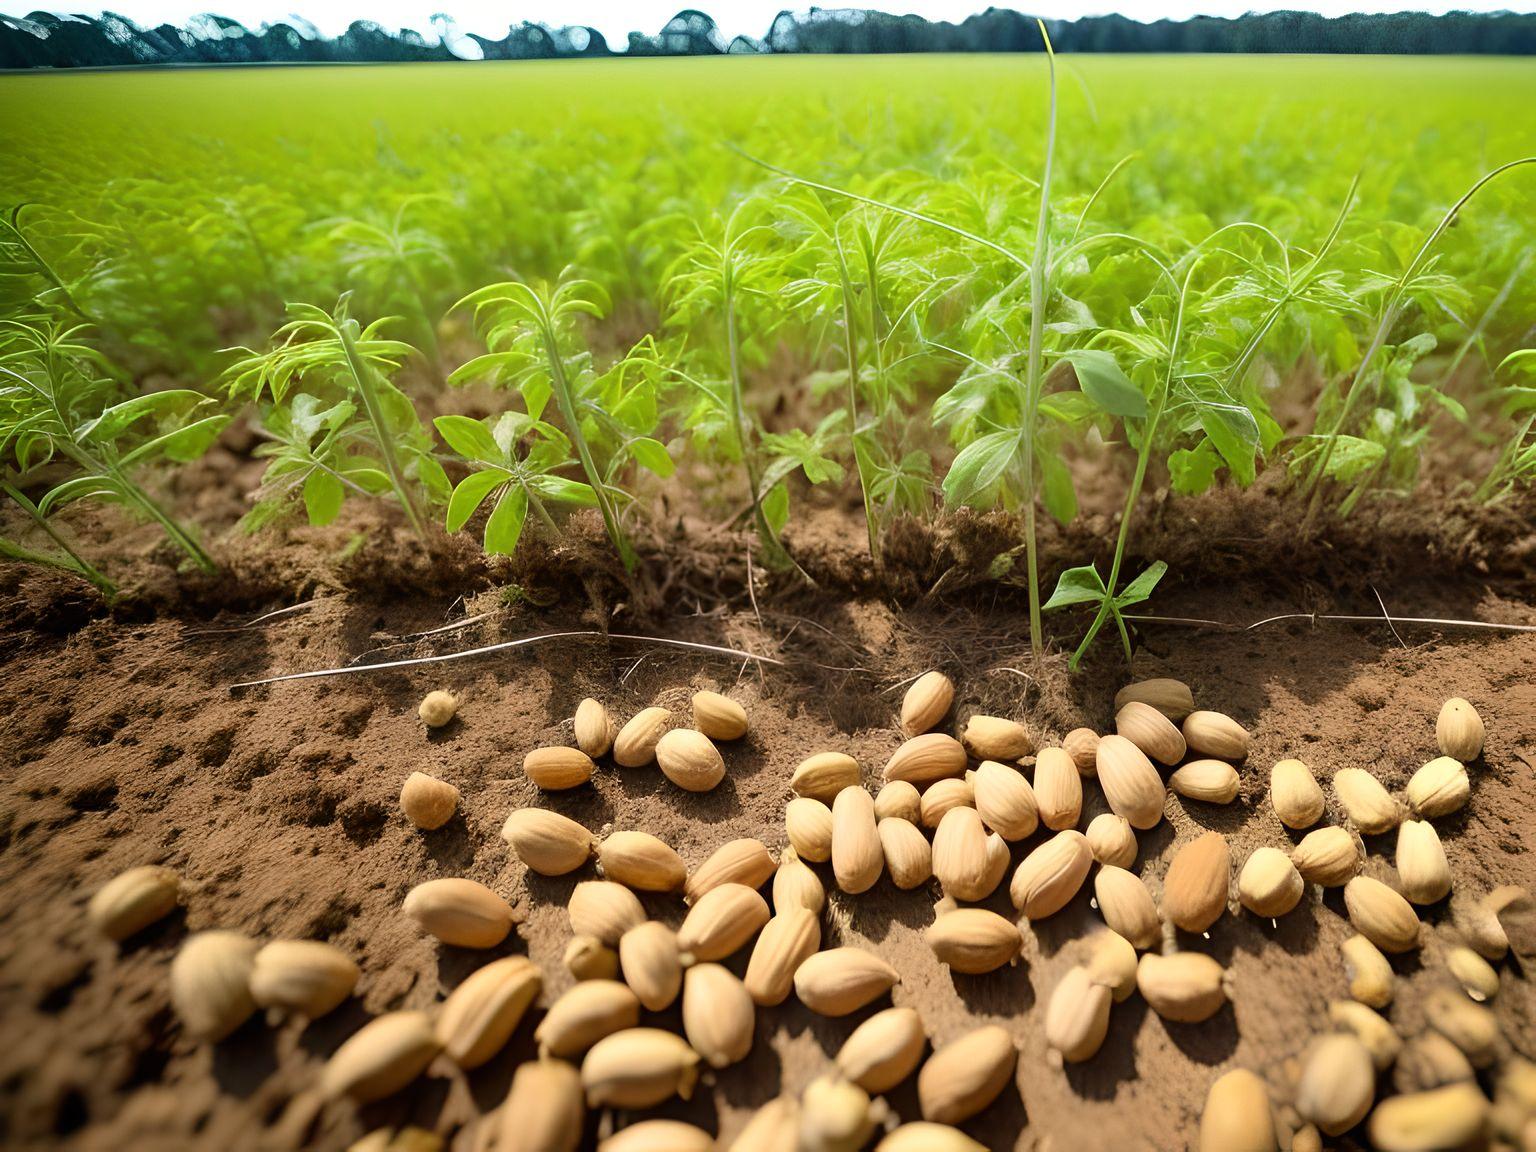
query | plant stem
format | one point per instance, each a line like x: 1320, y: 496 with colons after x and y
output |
x: 178, y: 535
x: 567, y: 404
x: 362, y: 374
x: 851, y: 350
x: 75, y: 563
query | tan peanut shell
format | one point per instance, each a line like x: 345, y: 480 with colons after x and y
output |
x: 974, y: 940
x: 1170, y: 697
x: 1422, y: 868
x: 719, y: 717
x: 1237, y: 1116
x: 1381, y: 915
x: 774, y: 1127
x: 658, y: 1136
x: 604, y: 910
x: 547, y: 842
x: 133, y: 900
x: 899, y: 799
x: 460, y: 912
x: 1209, y: 781
x: 1112, y: 963
x: 843, y: 980
x: 1449, y: 1117
x: 995, y: 738
x: 437, y: 708
x: 635, y: 744
x: 1051, y: 875
x: 584, y: 1014
x: 1058, y: 789
x: 742, y: 861
x: 1127, y: 907
x: 690, y: 760
x: 1369, y: 1027
x: 942, y: 795
x: 306, y: 977
x: 1216, y: 734
x: 926, y: 1136
x: 594, y: 728
x: 1459, y: 730
x: 1295, y: 794
x: 1112, y: 840
x: 589, y: 959
x: 857, y: 858
x: 1077, y: 1016
x: 1187, y: 987
x: 1478, y: 978
x: 428, y: 802
x: 926, y: 702
x: 722, y: 921
x: 1269, y: 884
x: 544, y: 1110
x: 652, y: 964
x: 824, y: 775
x: 718, y: 1015
x: 210, y: 983
x: 790, y: 938
x: 796, y: 886
x: 557, y: 768
x: 641, y: 861
x: 480, y: 1015
x: 1470, y: 1026
x: 960, y: 855
x: 884, y: 1050
x: 908, y: 855
x: 1005, y: 800
x: 834, y: 1116
x: 1430, y: 1061
x: 924, y: 759
x: 1131, y: 785
x: 1198, y: 882
x: 1366, y: 802
x: 380, y: 1058
x: 1370, y: 975
x: 1151, y: 731
x: 638, y: 1068
x: 1439, y: 788
x: 1082, y: 744
x: 808, y: 826
x: 966, y: 1075
x: 1337, y: 1085
x: 1328, y: 856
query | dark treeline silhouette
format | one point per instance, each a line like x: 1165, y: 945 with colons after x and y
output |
x: 42, y: 40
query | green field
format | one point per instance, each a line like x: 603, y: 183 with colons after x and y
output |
x: 1188, y: 198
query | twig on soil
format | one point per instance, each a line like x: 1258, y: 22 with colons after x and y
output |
x: 1387, y: 616
x: 507, y: 645
x: 1316, y: 617
x: 257, y: 622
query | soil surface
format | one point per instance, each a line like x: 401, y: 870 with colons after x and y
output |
x: 122, y: 743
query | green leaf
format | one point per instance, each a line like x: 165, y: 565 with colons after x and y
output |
x: 470, y: 494
x: 776, y: 508
x: 565, y: 491
x: 114, y: 421
x: 1235, y: 434
x: 1353, y: 457
x: 1056, y: 489
x: 505, y: 525
x: 979, y: 466
x: 1193, y: 470
x: 1141, y: 588
x: 1102, y: 381
x: 652, y: 455
x: 1077, y: 586
x: 469, y: 438
x: 182, y: 445
x: 323, y: 494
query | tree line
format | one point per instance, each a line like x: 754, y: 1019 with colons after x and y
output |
x: 43, y: 40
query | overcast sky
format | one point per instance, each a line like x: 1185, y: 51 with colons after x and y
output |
x: 615, y: 19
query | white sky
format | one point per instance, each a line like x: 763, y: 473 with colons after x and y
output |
x: 615, y: 19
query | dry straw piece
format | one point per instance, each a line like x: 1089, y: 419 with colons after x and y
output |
x: 742, y: 861
x: 786, y: 942
x: 908, y: 855
x: 547, y: 842
x: 1187, y: 987
x: 924, y: 759
x: 966, y: 1075
x: 460, y: 912
x: 1151, y: 731
x: 857, y: 858
x: 1127, y: 907
x: 380, y: 1058
x: 638, y: 1068
x: 544, y: 1108
x: 306, y: 977
x: 1216, y: 734
x: 884, y: 1050
x: 690, y: 760
x: 722, y: 921
x: 594, y: 728
x: 808, y: 825
x: 926, y: 703
x: 824, y: 775
x: 1112, y: 840
x: 1051, y: 875
x: 719, y: 717
x: 974, y: 940
x: 480, y: 1015
x: 584, y: 1014
x: 843, y: 980
x: 635, y: 744
x: 604, y: 910
x: 1295, y: 794
x: 210, y: 983
x: 428, y: 802
x: 1237, y: 1116
x: 995, y: 738
x: 641, y: 861
x: 718, y: 1015
x: 1058, y: 789
x: 1198, y: 882
x: 1077, y: 1017
x: 652, y: 964
x: 437, y: 708
x: 133, y: 900
x: 1170, y: 697
x: 1131, y: 785
x: 1459, y: 730
x: 558, y: 768
x: 1004, y: 798
x: 942, y: 795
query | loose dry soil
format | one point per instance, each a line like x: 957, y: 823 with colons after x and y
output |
x: 121, y: 743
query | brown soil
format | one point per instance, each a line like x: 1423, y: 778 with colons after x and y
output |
x: 122, y: 744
